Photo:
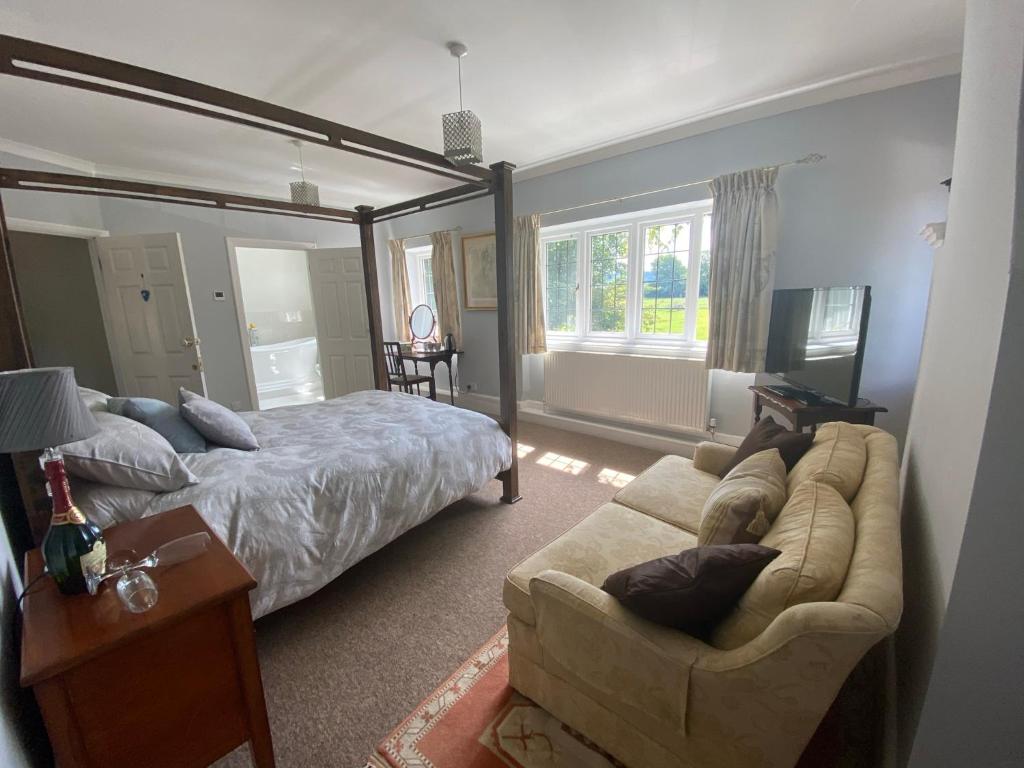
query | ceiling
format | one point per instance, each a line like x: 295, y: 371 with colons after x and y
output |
x: 548, y: 79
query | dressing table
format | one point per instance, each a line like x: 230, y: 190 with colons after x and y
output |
x: 424, y: 348
x: 432, y: 357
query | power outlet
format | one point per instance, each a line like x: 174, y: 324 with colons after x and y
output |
x: 469, y: 386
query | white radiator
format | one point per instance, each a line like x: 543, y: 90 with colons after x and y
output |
x: 662, y: 392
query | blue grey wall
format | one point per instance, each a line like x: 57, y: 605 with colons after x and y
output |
x: 852, y: 219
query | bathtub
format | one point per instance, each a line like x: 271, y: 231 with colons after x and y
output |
x: 287, y: 373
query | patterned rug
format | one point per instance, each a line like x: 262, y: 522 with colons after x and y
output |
x: 475, y: 720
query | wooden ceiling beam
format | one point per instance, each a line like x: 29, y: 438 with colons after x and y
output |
x: 43, y: 181
x: 426, y: 202
x: 48, y: 63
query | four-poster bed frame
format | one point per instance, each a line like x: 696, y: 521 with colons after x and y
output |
x: 36, y: 61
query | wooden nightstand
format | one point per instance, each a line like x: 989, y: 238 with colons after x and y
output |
x: 178, y: 685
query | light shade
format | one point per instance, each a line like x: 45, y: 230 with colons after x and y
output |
x: 305, y: 193
x: 463, y: 140
x: 41, y: 408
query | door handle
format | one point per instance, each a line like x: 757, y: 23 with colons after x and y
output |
x: 190, y: 341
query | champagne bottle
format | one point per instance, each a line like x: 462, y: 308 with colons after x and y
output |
x: 73, y: 545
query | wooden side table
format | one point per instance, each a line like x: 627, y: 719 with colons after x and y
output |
x: 801, y: 415
x: 178, y: 685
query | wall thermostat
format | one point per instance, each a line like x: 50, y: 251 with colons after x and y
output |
x: 218, y: 295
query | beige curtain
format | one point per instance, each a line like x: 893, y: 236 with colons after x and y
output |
x: 529, y: 295
x: 743, y: 224
x: 401, y: 298
x: 445, y: 293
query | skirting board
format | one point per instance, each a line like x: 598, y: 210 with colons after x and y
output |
x: 533, y: 411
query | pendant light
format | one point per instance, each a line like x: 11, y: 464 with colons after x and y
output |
x: 303, y: 192
x: 463, y: 143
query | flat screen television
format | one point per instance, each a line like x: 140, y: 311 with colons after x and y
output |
x: 816, y: 342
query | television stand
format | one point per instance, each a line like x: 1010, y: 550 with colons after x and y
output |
x: 800, y: 414
x: 800, y: 395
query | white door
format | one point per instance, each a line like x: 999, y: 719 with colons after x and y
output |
x: 150, y: 314
x: 342, y: 322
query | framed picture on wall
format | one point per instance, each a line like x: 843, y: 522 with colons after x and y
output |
x: 479, y: 274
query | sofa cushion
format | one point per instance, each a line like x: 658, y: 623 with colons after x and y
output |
x: 745, y: 504
x: 691, y: 590
x: 610, y: 539
x: 837, y: 458
x: 672, y: 490
x: 815, y: 532
x: 767, y: 434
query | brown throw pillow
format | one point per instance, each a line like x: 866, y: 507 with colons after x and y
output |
x: 693, y: 590
x: 765, y: 435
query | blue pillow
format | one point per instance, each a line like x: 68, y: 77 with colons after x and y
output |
x: 163, y: 419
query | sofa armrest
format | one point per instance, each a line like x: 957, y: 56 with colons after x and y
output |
x: 712, y: 457
x: 586, y: 633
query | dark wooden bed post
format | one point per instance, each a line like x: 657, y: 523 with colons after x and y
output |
x: 380, y: 374
x: 502, y: 188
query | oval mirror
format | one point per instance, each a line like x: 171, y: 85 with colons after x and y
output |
x: 422, y: 322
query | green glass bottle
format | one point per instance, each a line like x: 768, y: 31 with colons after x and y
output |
x: 73, y: 545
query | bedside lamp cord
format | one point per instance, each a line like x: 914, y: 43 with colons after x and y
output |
x: 29, y: 586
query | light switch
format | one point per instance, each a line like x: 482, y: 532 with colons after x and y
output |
x: 218, y: 295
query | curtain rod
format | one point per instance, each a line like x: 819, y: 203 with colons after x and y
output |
x: 427, y: 234
x: 814, y: 157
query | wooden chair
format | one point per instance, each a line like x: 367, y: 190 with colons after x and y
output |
x: 398, y: 376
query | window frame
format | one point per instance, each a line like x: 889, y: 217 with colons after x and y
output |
x: 415, y: 256
x: 631, y: 340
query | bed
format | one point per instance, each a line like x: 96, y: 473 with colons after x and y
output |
x: 333, y: 482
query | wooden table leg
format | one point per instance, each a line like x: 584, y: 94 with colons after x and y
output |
x: 260, y: 743
x: 451, y: 383
x: 757, y: 407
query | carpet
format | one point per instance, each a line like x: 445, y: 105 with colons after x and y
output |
x: 476, y: 720
x: 344, y: 666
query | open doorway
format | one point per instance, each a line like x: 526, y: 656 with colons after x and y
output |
x: 116, y: 309
x: 61, y: 306
x: 275, y: 311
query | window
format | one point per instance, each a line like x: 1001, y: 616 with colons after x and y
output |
x: 562, y: 284
x: 421, y: 276
x: 630, y: 282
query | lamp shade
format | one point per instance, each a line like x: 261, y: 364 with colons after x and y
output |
x: 41, y: 408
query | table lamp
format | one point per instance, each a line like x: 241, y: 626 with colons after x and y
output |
x: 40, y: 409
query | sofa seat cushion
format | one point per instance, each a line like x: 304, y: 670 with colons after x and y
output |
x: 613, y: 537
x: 837, y: 458
x: 815, y: 532
x: 672, y: 490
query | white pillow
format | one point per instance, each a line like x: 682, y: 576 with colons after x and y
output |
x: 107, y: 505
x: 94, y: 399
x: 127, y: 454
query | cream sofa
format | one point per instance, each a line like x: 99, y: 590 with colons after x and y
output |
x: 656, y: 697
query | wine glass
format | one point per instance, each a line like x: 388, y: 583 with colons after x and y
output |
x: 137, y: 591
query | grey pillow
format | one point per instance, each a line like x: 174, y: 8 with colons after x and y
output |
x: 127, y: 454
x: 216, y: 423
x: 162, y: 418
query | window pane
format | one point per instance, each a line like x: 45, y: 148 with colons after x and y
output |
x: 704, y: 286
x: 427, y: 271
x: 560, y: 258
x: 666, y: 256
x: 609, y: 280
x: 839, y: 311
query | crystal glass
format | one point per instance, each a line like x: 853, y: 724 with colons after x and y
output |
x: 137, y: 591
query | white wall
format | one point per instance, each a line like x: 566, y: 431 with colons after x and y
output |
x: 966, y: 417
x: 275, y: 284
x: 852, y: 219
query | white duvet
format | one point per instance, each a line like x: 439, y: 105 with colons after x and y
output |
x: 332, y: 483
